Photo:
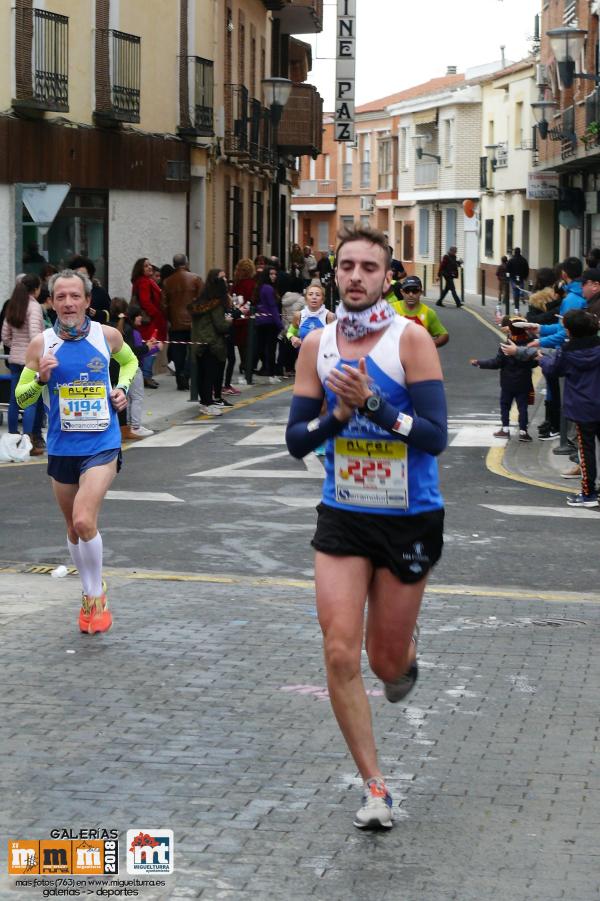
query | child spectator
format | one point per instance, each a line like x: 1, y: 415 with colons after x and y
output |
x: 578, y: 360
x: 515, y: 378
x: 134, y: 430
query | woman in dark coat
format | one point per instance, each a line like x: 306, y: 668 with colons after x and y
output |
x: 210, y: 324
x: 146, y: 293
x: 268, y: 321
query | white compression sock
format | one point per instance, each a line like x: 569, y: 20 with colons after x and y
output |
x: 76, y: 558
x: 90, y: 553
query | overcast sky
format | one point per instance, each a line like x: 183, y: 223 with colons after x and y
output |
x: 405, y: 42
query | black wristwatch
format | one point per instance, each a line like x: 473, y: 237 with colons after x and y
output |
x: 371, y: 406
x: 39, y: 381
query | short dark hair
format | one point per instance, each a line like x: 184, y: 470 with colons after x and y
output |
x: 580, y: 323
x: 83, y: 263
x: 364, y: 233
x: 591, y: 275
x: 573, y: 267
x: 179, y: 260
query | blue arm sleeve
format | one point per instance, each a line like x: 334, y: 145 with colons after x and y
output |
x: 555, y: 338
x: 429, y: 430
x: 305, y: 430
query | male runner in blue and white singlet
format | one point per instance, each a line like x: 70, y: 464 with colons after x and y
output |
x: 69, y: 364
x: 380, y: 522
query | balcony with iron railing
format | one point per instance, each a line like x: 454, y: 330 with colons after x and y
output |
x: 41, y: 60
x: 317, y: 187
x: 501, y: 161
x: 260, y: 136
x: 568, y: 146
x: 300, y: 131
x: 118, y: 79
x: 297, y: 16
x: 236, y: 120
x: 198, y: 89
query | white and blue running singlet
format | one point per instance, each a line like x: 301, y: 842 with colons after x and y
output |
x: 309, y: 321
x: 368, y: 469
x: 81, y: 418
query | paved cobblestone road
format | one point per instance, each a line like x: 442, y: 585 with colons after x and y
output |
x: 206, y: 713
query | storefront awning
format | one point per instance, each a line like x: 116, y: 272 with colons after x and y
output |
x: 426, y: 117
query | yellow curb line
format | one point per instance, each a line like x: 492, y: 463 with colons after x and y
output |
x: 559, y: 597
x: 495, y: 463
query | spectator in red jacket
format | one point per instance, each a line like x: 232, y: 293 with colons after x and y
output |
x: 146, y: 293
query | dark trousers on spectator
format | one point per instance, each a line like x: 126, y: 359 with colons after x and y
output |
x: 178, y: 354
x: 449, y: 279
x: 506, y: 398
x: 587, y: 432
x: 230, y: 360
x: 206, y: 366
x: 266, y: 342
x: 553, y: 403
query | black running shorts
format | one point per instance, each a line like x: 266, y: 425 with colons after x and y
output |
x: 409, y: 546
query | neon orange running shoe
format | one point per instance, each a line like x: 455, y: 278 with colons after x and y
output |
x: 94, y: 615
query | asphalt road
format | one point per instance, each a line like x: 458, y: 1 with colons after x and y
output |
x: 229, y: 520
x: 205, y: 710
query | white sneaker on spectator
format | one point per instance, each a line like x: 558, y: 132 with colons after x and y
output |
x: 273, y: 380
x: 141, y: 431
x: 210, y: 410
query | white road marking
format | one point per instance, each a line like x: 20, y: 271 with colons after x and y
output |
x: 298, y: 502
x: 173, y: 437
x: 558, y: 512
x: 477, y: 436
x: 152, y: 496
x: 313, y: 469
x: 267, y: 435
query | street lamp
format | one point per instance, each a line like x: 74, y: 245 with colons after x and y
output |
x: 540, y: 108
x: 567, y: 44
x: 276, y: 93
x: 491, y: 152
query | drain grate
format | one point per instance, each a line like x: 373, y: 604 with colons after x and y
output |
x: 556, y: 623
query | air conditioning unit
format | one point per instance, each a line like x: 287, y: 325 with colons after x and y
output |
x: 367, y: 203
x: 541, y: 76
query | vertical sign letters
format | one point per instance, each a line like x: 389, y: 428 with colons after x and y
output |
x: 345, y: 70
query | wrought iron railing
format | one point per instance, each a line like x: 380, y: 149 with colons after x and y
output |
x: 125, y: 78
x: 202, y: 102
x: 51, y: 59
x: 236, y: 119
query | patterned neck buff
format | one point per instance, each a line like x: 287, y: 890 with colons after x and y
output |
x: 357, y: 325
x: 73, y: 332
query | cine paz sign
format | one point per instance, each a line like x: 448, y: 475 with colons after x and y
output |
x: 345, y: 70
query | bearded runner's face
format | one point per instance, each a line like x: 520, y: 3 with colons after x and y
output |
x: 362, y: 277
x: 70, y: 302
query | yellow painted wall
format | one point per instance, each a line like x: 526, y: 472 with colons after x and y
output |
x: 81, y: 56
x: 157, y: 23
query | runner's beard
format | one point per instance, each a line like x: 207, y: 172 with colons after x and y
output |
x: 359, y: 306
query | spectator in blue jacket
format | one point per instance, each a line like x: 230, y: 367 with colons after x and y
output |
x: 555, y: 335
x: 579, y: 362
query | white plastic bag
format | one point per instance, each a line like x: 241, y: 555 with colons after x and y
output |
x: 14, y: 448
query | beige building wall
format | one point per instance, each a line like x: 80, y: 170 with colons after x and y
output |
x: 159, y: 101
x: 507, y: 121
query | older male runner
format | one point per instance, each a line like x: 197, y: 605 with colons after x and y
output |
x: 380, y: 522
x: 69, y: 364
